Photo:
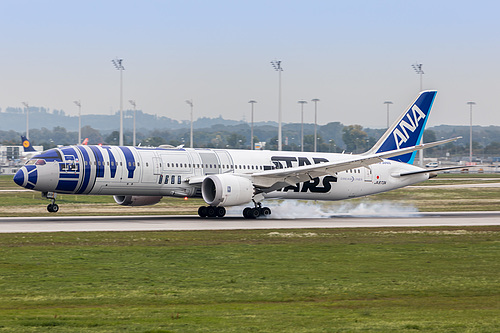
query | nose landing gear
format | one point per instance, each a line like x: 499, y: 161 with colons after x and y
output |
x: 52, y: 207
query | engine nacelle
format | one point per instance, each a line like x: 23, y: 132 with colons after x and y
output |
x: 226, y: 190
x: 136, y: 200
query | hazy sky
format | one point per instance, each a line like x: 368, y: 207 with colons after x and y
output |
x: 352, y: 55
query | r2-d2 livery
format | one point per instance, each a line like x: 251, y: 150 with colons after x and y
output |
x: 138, y: 176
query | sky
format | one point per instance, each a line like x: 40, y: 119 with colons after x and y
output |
x: 352, y: 55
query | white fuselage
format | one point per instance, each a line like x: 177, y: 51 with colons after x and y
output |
x: 112, y: 170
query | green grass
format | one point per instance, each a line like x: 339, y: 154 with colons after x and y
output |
x: 364, y: 280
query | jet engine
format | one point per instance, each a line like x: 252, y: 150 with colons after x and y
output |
x: 227, y: 190
x: 136, y: 200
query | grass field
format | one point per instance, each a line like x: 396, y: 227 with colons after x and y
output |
x: 323, y: 280
x: 366, y: 280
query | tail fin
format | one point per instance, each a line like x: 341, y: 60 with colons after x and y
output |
x: 407, y: 131
x: 27, y: 144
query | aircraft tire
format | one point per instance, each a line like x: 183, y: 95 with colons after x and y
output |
x: 211, y: 211
x: 246, y: 212
x: 254, y: 213
x: 220, y: 211
x: 53, y: 208
x: 266, y: 211
x: 202, y: 211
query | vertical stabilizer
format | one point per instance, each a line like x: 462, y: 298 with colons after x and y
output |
x: 27, y: 145
x: 407, y: 131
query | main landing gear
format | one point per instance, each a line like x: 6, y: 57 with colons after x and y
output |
x: 257, y: 211
x: 52, y: 207
x: 211, y: 211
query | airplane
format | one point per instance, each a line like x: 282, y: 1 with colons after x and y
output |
x: 138, y: 176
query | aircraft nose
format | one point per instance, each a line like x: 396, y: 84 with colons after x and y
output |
x: 19, y: 177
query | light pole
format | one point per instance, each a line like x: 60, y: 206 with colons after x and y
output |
x: 418, y: 68
x: 27, y: 120
x: 118, y: 65
x: 133, y: 135
x: 252, y: 102
x: 315, y: 100
x: 79, y: 104
x: 388, y: 103
x: 302, y: 124
x: 277, y: 67
x: 470, y: 133
x: 190, y: 102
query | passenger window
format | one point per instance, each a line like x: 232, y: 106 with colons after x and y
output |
x: 160, y: 180
x: 166, y: 179
x: 173, y: 180
x: 179, y: 180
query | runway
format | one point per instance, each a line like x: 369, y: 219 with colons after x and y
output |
x: 171, y: 222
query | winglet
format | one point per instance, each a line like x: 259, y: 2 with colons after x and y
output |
x: 407, y: 131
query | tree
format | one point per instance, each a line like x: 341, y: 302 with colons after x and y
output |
x: 355, y: 139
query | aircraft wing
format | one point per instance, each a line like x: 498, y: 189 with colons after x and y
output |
x: 275, y: 179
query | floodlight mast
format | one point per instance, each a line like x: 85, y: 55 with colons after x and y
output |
x: 133, y: 136
x: 119, y: 66
x: 302, y: 102
x: 27, y: 120
x: 79, y: 104
x: 252, y: 145
x: 388, y: 103
x: 470, y: 134
x: 315, y: 100
x: 277, y: 67
x: 190, y: 103
x: 418, y: 69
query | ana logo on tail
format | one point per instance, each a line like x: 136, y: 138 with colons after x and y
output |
x: 400, y: 134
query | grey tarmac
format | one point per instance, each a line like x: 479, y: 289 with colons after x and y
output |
x: 190, y: 222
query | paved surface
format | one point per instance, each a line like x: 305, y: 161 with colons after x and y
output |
x: 144, y: 223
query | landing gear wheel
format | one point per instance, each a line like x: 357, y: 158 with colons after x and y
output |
x: 246, y: 212
x: 211, y: 211
x: 266, y: 211
x: 202, y: 211
x: 220, y: 211
x: 53, y: 208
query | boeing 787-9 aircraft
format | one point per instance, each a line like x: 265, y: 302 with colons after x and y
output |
x: 138, y: 176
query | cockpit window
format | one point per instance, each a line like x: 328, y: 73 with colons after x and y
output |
x: 40, y: 162
x: 50, y: 155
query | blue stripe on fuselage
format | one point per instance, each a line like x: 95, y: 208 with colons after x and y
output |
x: 86, y: 173
x: 129, y: 161
x: 99, y: 160
x: 112, y: 162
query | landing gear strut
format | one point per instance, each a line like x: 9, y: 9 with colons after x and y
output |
x: 52, y: 207
x: 211, y: 211
x: 257, y: 211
